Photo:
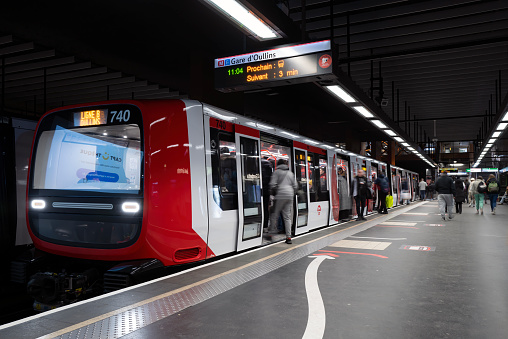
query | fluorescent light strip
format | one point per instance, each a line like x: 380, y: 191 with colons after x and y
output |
x: 342, y: 94
x: 491, y: 141
x: 505, y: 118
x: 245, y: 18
x: 363, y: 111
x: 379, y: 123
x: 501, y: 126
x: 390, y: 132
x: 496, y: 134
x: 405, y: 144
x: 399, y: 139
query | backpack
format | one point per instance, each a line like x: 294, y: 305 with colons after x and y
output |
x: 482, y: 188
x: 383, y: 185
x: 493, y: 187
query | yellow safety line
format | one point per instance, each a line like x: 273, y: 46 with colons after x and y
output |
x: 181, y: 289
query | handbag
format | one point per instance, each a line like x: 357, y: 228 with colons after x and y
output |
x: 389, y: 201
x: 370, y: 193
x: 405, y: 195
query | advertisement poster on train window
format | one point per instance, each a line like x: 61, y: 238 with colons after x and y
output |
x: 343, y: 185
x: 80, y: 162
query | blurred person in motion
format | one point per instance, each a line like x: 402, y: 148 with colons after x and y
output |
x: 359, y: 189
x: 445, y: 189
x: 492, y: 192
x: 460, y: 195
x: 383, y: 189
x: 479, y: 189
x: 422, y: 185
x: 504, y: 196
x: 466, y: 190
x: 283, y: 186
x: 470, y: 193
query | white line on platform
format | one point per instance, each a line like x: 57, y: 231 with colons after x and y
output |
x: 316, y: 320
x: 377, y: 238
x: 410, y: 220
x: 394, y: 223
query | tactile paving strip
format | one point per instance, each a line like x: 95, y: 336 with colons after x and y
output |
x: 133, y: 319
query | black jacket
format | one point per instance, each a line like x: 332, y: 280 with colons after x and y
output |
x: 444, y: 185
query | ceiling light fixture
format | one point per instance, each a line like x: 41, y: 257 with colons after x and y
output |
x: 378, y: 123
x: 342, y: 94
x: 363, y: 111
x: 390, y: 132
x: 496, y: 134
x: 501, y: 126
x: 245, y: 18
x: 399, y: 139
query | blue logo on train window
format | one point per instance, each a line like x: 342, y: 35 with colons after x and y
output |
x: 228, y: 62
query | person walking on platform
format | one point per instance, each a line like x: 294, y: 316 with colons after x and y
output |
x: 466, y: 190
x: 479, y: 188
x: 360, y: 188
x: 266, y: 175
x: 283, y: 186
x: 470, y: 193
x: 460, y: 195
x: 493, y: 192
x: 445, y: 189
x: 504, y: 196
x: 423, y: 187
x: 383, y: 189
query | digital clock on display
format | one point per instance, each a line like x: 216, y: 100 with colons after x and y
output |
x: 235, y: 71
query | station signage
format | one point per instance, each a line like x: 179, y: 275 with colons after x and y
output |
x: 275, y: 67
x: 474, y: 170
x: 489, y: 169
x: 503, y: 170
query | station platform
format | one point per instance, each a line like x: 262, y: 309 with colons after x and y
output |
x: 400, y: 275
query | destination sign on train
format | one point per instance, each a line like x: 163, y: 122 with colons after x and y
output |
x: 280, y: 66
x: 91, y: 117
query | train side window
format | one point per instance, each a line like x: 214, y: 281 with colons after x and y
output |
x: 227, y: 164
x: 321, y: 163
x: 224, y: 180
x: 313, y: 177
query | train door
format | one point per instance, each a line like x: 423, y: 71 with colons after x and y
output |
x: 334, y: 188
x: 318, y: 190
x: 373, y: 177
x: 302, y: 206
x: 250, y: 203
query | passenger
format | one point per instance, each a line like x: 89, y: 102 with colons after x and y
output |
x: 460, y: 195
x: 445, y: 192
x: 383, y: 189
x: 504, y: 196
x: 466, y: 190
x: 432, y: 188
x: 422, y: 185
x: 360, y: 189
x: 283, y: 186
x: 266, y: 174
x: 493, y: 192
x: 470, y: 193
x: 479, y: 188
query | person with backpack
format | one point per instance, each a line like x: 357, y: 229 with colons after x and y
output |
x: 445, y: 189
x: 460, y: 195
x: 492, y: 191
x: 479, y: 189
x: 383, y: 190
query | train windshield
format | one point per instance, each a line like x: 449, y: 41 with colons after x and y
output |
x: 104, y: 158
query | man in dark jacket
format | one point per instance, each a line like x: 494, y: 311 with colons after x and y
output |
x: 360, y: 188
x: 445, y: 189
x: 383, y: 189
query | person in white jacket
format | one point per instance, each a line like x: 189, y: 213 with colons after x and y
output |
x: 470, y: 194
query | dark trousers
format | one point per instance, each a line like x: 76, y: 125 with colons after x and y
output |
x: 382, y: 202
x: 458, y: 207
x: 361, y: 201
x: 266, y: 206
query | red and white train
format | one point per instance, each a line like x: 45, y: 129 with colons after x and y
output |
x: 175, y: 181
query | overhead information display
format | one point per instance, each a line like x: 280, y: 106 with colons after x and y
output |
x: 281, y: 66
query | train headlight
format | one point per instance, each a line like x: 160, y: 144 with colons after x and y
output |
x: 130, y: 207
x: 38, y: 204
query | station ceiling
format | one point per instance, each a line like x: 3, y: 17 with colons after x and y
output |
x: 442, y: 59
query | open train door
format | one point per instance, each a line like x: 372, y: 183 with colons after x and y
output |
x: 250, y: 201
x: 302, y: 194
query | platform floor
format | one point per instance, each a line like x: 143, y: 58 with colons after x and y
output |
x: 408, y: 274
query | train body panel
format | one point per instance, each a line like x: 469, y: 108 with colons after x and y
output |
x: 196, y: 172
